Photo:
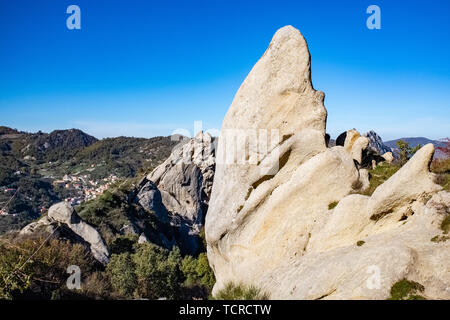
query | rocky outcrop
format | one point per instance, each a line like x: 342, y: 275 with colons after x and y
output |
x: 376, y: 143
x: 149, y: 197
x: 185, y: 178
x: 169, y: 204
x: 388, y: 157
x: 355, y: 144
x: 277, y: 102
x: 178, y: 190
x: 271, y: 222
x: 367, y: 150
x: 62, y: 214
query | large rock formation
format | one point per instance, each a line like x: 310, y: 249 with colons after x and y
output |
x: 367, y: 150
x: 179, y: 189
x: 271, y: 222
x: 376, y: 143
x: 176, y: 194
x: 185, y: 178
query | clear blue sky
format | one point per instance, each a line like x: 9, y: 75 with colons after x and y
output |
x: 145, y: 68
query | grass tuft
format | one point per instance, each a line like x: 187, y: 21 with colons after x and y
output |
x: 406, y: 290
x: 234, y: 291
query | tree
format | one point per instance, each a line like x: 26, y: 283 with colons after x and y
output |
x: 158, y: 271
x: 121, y: 271
x: 406, y: 152
x: 198, y: 272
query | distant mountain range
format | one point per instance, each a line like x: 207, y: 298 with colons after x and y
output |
x: 414, y: 141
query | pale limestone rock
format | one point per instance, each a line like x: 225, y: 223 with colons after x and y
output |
x: 364, y: 182
x: 179, y: 189
x: 276, y: 231
x: 44, y: 222
x: 365, y: 149
x: 277, y: 97
x: 143, y: 239
x: 406, y: 185
x: 63, y: 212
x: 388, y: 157
x: 355, y: 144
x: 150, y: 198
x: 185, y: 178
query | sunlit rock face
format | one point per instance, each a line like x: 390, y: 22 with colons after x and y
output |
x: 62, y: 215
x: 179, y: 189
x: 270, y: 221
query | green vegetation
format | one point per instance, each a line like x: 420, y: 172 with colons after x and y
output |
x: 146, y: 271
x: 240, y: 292
x: 406, y: 152
x: 445, y: 224
x: 360, y: 243
x: 438, y: 239
x: 114, y: 213
x: 123, y: 156
x: 154, y: 272
x: 45, y: 273
x: 108, y: 213
x: 379, y: 175
x: 406, y: 290
x: 14, y: 222
x: 198, y: 272
x: 158, y: 271
x: 122, y: 244
x: 333, y: 205
x: 121, y: 271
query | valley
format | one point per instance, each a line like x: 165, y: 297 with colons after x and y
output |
x: 40, y: 169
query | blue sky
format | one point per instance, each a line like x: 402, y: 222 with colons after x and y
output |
x: 146, y: 68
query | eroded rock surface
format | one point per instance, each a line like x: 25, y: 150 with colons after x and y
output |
x: 63, y: 213
x: 271, y: 221
x: 179, y: 189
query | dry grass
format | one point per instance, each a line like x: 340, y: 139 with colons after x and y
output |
x: 442, y: 169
